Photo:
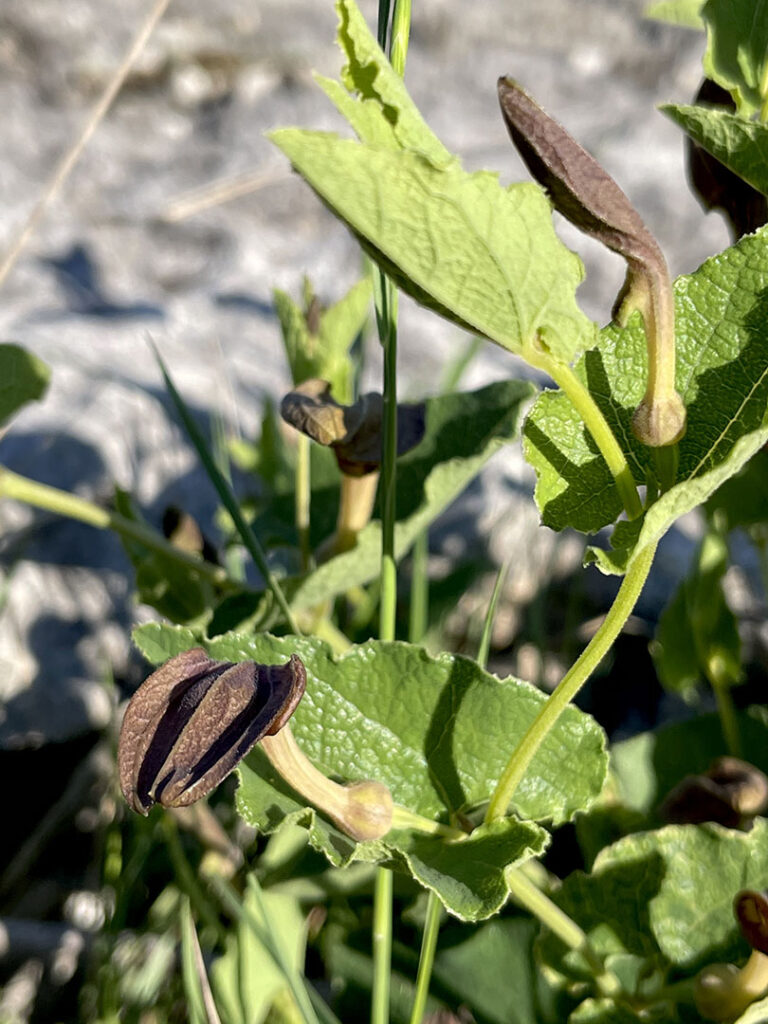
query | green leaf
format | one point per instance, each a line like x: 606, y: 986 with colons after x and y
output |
x: 697, y: 635
x: 245, y: 978
x: 677, y: 12
x: 648, y: 766
x: 664, y: 896
x: 484, y: 256
x: 737, y: 43
x: 374, y: 99
x: 738, y: 143
x: 722, y: 374
x: 324, y: 353
x: 437, y: 732
x: 192, y: 969
x: 492, y: 971
x: 743, y: 500
x: 23, y: 378
x: 462, y: 431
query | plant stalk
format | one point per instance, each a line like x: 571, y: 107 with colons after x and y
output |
x: 302, y: 498
x: 571, y: 683
x: 596, y: 424
x: 426, y: 958
x: 63, y: 503
x: 558, y: 922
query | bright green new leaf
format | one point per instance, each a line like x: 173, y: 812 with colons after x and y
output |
x: 738, y: 143
x: 484, y: 256
x: 665, y: 896
x: 737, y: 44
x: 23, y: 378
x: 677, y: 12
x: 437, y: 732
x: 722, y: 374
x: 322, y: 350
x: 697, y: 635
x: 245, y: 978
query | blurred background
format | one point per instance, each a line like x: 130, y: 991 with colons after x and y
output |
x: 139, y: 245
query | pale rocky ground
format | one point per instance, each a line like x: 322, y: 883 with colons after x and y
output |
x: 216, y: 75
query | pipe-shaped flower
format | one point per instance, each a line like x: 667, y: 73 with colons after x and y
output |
x: 583, y: 192
x: 723, y: 992
x: 194, y: 719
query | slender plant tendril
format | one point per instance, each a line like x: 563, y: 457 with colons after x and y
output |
x: 73, y: 507
x: 571, y: 683
x: 596, y: 424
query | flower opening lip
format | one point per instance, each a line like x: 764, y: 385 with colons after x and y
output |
x: 352, y: 431
x: 194, y: 719
x: 750, y: 908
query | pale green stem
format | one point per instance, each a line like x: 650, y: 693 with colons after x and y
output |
x: 426, y: 958
x: 727, y: 713
x: 63, y: 503
x: 597, y: 426
x: 382, y: 946
x: 403, y: 818
x: 542, y: 907
x: 302, y: 498
x: 401, y: 31
x: 417, y: 624
x: 571, y: 683
x: 485, y: 639
x: 764, y: 93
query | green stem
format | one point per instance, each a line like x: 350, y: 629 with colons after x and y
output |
x: 21, y: 488
x: 386, y: 315
x: 426, y: 958
x: 417, y: 625
x: 302, y: 498
x: 571, y: 683
x: 542, y: 907
x: 596, y: 424
x: 382, y: 946
x: 401, y: 31
x: 404, y: 818
x: 187, y: 878
x: 727, y: 713
x: 490, y: 615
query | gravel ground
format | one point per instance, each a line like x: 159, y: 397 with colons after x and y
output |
x: 105, y: 270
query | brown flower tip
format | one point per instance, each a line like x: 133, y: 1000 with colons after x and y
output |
x: 194, y: 719
x: 730, y: 792
x: 353, y: 431
x: 750, y: 908
x: 580, y: 189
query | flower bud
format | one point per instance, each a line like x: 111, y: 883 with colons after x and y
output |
x: 368, y: 813
x: 194, y: 719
